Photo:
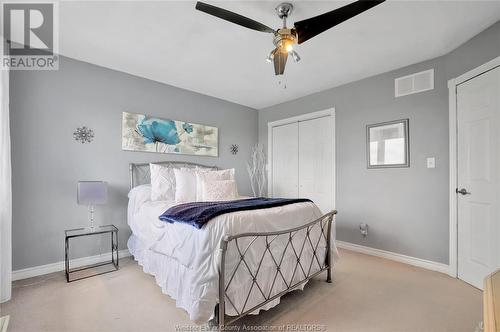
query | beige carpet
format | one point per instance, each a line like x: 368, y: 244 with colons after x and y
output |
x: 368, y: 294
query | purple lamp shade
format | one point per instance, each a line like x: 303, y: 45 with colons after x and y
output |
x: 92, y: 192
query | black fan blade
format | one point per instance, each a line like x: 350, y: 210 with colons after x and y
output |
x: 233, y: 17
x: 306, y: 29
x: 279, y: 61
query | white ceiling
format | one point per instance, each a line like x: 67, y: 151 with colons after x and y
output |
x: 173, y: 43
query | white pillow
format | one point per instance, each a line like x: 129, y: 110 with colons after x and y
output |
x: 224, y: 190
x: 206, y: 176
x: 162, y: 183
x: 185, y: 185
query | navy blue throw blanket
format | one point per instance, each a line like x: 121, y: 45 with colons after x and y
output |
x: 198, y: 214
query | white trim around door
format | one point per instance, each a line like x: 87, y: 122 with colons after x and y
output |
x: 452, y: 86
x: 303, y: 117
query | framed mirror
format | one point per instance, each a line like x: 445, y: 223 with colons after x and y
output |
x: 387, y: 144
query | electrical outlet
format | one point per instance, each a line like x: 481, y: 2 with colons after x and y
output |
x: 363, y: 228
x: 431, y: 162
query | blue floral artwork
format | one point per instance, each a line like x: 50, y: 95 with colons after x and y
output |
x: 150, y: 134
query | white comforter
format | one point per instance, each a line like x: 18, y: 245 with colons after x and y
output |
x: 185, y: 260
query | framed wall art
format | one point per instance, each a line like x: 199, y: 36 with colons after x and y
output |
x: 151, y: 134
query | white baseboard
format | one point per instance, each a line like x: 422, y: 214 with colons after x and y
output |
x: 429, y: 265
x: 60, y: 266
x: 78, y: 262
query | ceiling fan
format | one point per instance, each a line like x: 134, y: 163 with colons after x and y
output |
x: 285, y: 38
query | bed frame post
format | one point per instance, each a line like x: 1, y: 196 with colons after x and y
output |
x: 329, y: 247
x: 131, y: 174
x: 222, y: 284
x: 215, y: 320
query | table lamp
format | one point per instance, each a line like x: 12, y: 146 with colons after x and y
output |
x: 92, y: 193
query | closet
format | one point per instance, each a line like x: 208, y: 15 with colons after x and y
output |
x: 302, y: 162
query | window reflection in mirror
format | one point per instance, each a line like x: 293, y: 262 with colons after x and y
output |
x: 388, y: 144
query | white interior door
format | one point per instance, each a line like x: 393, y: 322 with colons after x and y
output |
x: 315, y: 162
x: 285, y: 161
x: 478, y: 117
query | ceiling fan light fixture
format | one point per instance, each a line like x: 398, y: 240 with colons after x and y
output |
x: 270, y: 57
x: 295, y: 56
x: 284, y: 41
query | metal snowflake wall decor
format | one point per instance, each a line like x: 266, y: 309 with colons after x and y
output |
x: 234, y: 149
x: 83, y: 135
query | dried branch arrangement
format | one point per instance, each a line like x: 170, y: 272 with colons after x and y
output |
x: 256, y: 167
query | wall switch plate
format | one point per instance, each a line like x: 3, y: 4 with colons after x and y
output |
x: 431, y: 162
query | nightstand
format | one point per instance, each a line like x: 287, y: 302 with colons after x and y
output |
x: 79, y: 232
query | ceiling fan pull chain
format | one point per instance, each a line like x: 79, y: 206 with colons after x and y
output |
x: 282, y: 81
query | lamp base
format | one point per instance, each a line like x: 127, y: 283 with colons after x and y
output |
x: 91, y: 218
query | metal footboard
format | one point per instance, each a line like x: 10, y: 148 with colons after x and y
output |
x: 303, y: 268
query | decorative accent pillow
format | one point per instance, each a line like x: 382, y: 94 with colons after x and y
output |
x: 224, y: 190
x: 162, y: 183
x: 185, y: 185
x: 206, y: 176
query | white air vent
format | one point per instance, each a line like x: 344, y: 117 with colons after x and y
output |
x: 414, y: 83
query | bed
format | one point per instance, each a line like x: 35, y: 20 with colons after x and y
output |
x: 238, y: 263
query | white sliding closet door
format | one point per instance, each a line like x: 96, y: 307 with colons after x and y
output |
x: 285, y: 161
x: 302, y: 158
x: 316, y: 162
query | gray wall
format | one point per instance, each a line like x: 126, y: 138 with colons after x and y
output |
x: 406, y: 208
x: 480, y: 49
x: 46, y: 107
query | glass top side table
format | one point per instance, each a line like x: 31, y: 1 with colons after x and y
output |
x: 87, y: 231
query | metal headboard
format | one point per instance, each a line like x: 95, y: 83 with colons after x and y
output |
x: 140, y: 172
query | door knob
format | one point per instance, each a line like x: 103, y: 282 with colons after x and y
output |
x: 462, y: 191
